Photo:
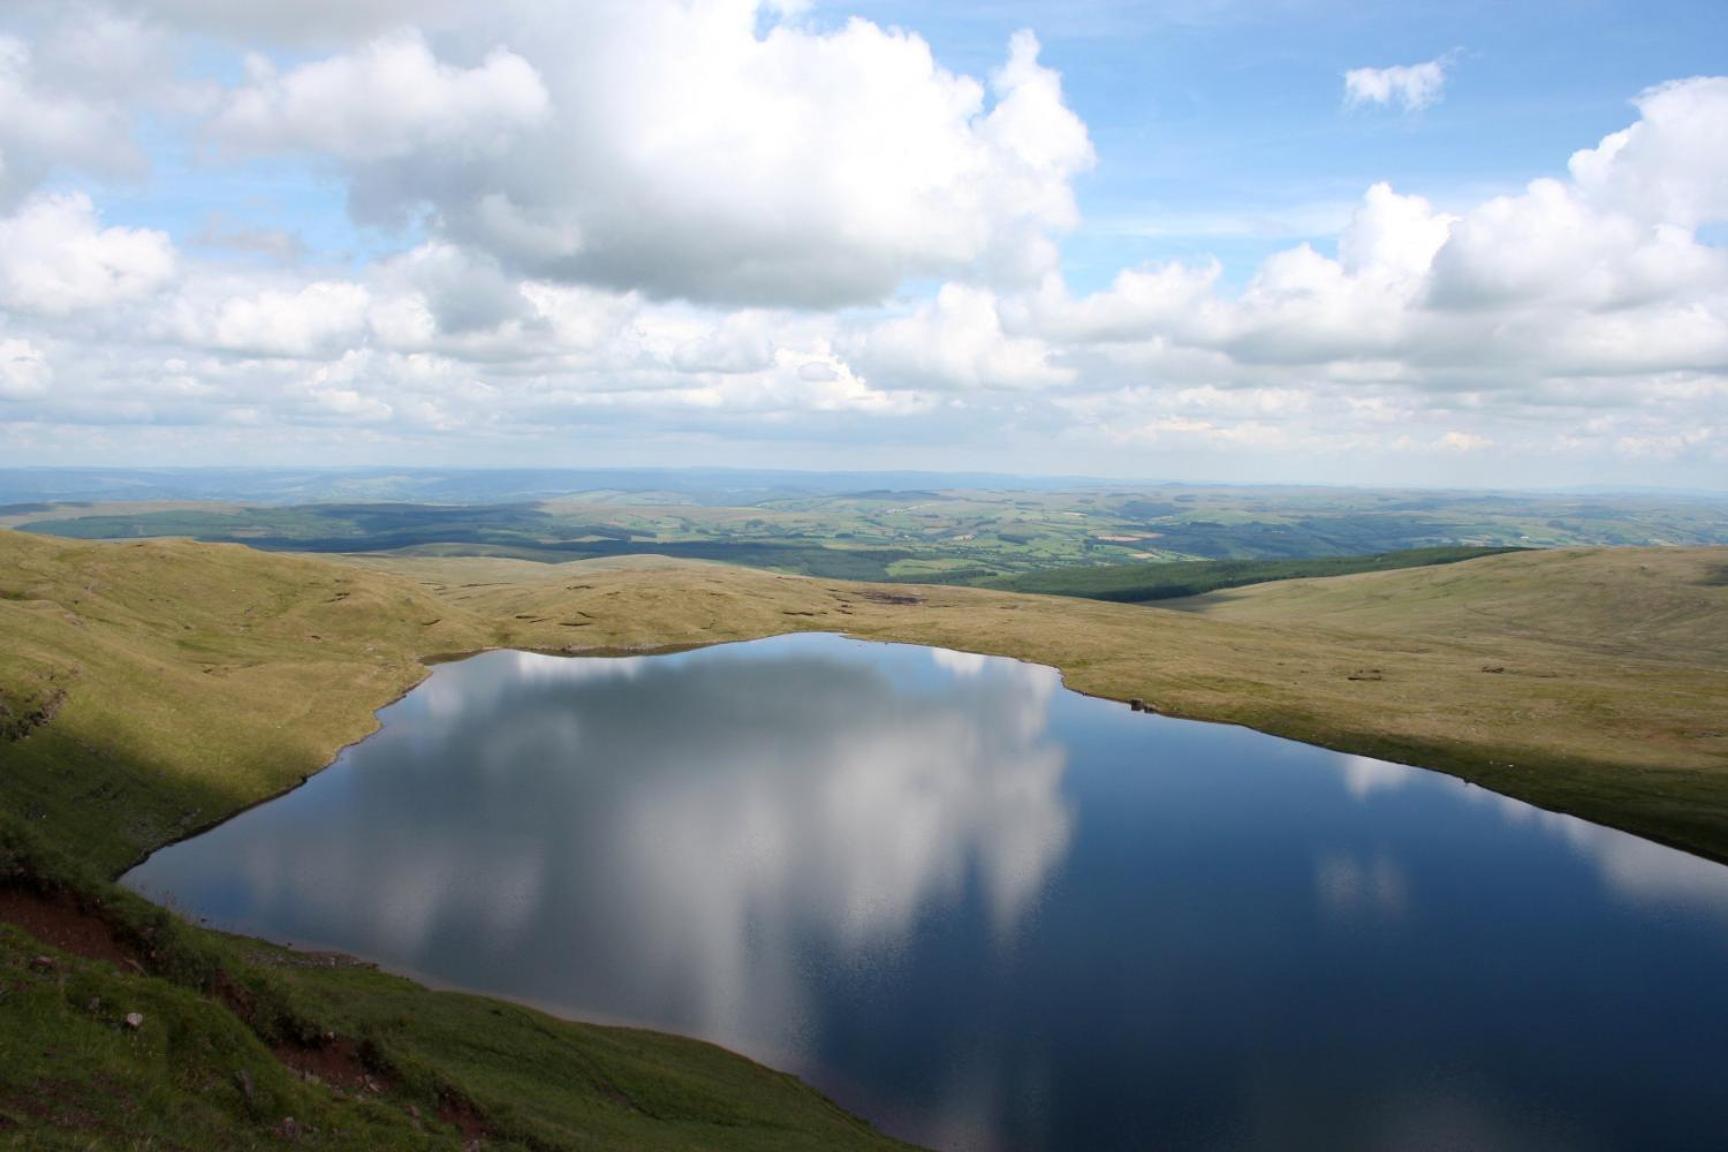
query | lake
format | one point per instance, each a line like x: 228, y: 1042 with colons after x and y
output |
x: 989, y: 913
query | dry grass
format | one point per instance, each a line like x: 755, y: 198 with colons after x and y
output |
x: 1638, y: 603
x: 196, y: 679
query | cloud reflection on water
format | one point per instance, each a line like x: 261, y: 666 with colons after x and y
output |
x: 1630, y: 867
x: 743, y: 840
x: 989, y: 914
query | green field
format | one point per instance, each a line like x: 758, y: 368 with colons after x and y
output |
x: 945, y: 535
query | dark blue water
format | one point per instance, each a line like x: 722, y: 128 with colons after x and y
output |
x: 989, y: 913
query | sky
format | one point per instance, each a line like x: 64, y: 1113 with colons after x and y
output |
x: 1461, y: 243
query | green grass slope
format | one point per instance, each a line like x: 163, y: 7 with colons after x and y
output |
x: 1138, y: 583
x: 181, y: 682
x: 124, y: 1028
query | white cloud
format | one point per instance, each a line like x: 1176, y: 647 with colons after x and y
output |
x: 56, y: 258
x: 1593, y: 276
x: 24, y: 370
x: 1672, y: 165
x: 44, y: 126
x: 1412, y: 87
x: 957, y: 340
x: 391, y: 99
x: 637, y: 224
x: 1464, y: 442
x: 461, y: 291
x: 97, y: 54
x: 323, y: 317
x: 1140, y: 304
x: 297, y: 22
x: 680, y: 153
x: 740, y: 342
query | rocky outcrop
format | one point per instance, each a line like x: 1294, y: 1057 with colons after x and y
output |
x: 19, y: 718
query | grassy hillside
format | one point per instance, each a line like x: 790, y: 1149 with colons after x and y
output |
x: 236, y: 1044
x: 1649, y: 604
x: 185, y: 681
x: 1138, y: 583
x: 150, y: 688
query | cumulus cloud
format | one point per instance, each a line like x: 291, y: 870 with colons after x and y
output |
x: 56, y: 258
x: 1300, y: 307
x: 391, y: 99
x: 957, y: 340
x: 95, y: 53
x: 1140, y: 304
x: 301, y: 22
x: 460, y: 291
x: 1581, y: 315
x: 716, y: 219
x: 1670, y: 166
x: 323, y: 317
x: 24, y: 370
x: 669, y: 148
x: 1554, y: 243
x: 1412, y: 87
x: 46, y: 125
x: 1568, y: 276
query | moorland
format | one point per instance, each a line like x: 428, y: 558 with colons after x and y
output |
x: 150, y: 688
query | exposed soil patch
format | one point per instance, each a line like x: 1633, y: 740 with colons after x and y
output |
x: 336, y: 1062
x: 57, y: 920
x: 460, y: 1113
x: 887, y: 597
x: 51, y: 1102
x: 235, y: 997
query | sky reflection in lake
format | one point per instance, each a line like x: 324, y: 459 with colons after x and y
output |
x: 991, y: 913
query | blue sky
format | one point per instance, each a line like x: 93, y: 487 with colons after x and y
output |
x: 1212, y: 116
x: 1138, y: 239
x: 1232, y: 110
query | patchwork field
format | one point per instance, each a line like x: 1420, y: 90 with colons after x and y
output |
x: 1019, y: 538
